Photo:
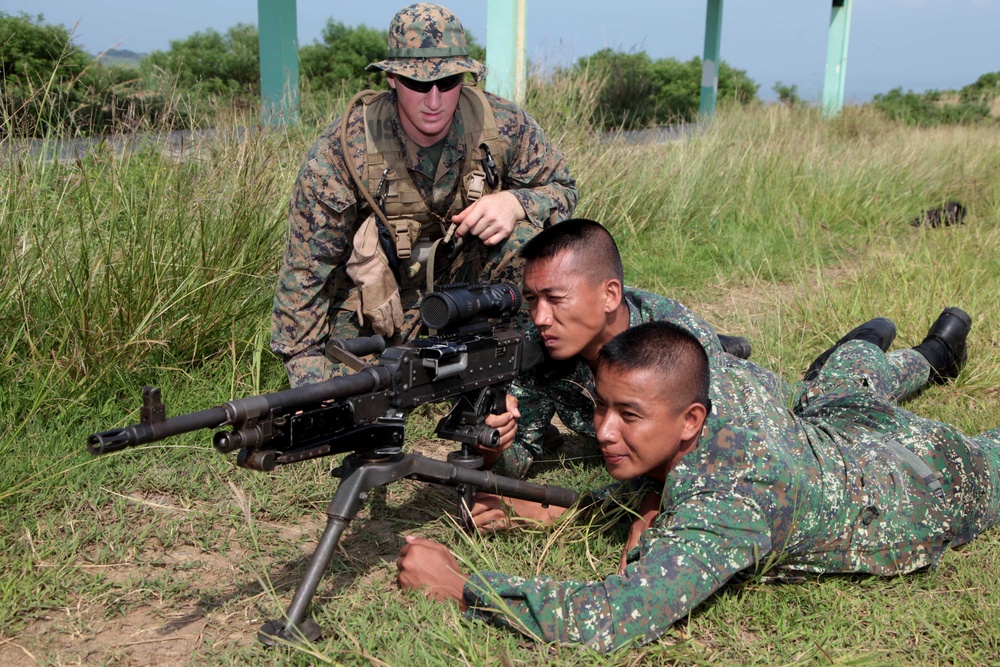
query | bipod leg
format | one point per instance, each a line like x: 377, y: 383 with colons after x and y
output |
x: 359, y: 475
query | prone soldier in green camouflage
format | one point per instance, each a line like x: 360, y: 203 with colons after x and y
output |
x: 740, y: 486
x: 432, y: 133
x: 574, y: 289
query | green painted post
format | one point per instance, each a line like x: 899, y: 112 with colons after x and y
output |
x: 836, y: 57
x: 279, y: 62
x: 505, y: 28
x: 710, y: 63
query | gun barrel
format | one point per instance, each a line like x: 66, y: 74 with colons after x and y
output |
x: 140, y: 434
x: 239, y: 411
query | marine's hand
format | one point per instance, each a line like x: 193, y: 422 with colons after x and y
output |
x: 506, y: 424
x: 648, y: 510
x: 491, y: 217
x: 426, y: 565
x: 491, y: 512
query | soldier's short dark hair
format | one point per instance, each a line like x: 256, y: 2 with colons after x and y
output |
x: 587, y: 240
x: 673, y: 352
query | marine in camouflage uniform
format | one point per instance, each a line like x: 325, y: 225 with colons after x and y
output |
x: 567, y: 388
x: 314, y: 300
x: 846, y: 481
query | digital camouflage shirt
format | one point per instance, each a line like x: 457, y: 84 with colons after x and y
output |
x: 567, y: 388
x: 326, y: 209
x: 845, y: 482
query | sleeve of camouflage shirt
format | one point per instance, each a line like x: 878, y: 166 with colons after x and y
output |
x: 537, y: 173
x: 536, y: 408
x: 322, y: 212
x: 683, y: 559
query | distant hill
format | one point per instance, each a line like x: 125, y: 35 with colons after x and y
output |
x: 121, y: 58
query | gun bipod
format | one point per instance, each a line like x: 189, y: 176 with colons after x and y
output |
x: 359, y: 474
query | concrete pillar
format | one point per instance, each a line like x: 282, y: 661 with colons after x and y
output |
x: 710, y: 62
x: 505, y: 29
x: 836, y: 57
x: 279, y: 62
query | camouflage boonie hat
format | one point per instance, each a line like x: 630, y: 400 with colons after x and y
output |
x: 427, y: 42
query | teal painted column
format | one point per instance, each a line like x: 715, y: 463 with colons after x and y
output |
x: 710, y: 63
x: 505, y: 29
x: 279, y: 62
x: 836, y: 57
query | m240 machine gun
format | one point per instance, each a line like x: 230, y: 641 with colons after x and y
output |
x: 470, y: 361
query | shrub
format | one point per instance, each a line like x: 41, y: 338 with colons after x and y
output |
x: 638, y: 91
x: 210, y: 63
x: 926, y: 109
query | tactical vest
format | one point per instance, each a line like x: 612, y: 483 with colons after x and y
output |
x: 402, y: 200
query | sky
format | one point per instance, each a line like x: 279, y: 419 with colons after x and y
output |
x: 914, y: 44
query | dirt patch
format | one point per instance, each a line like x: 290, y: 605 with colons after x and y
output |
x: 144, y: 636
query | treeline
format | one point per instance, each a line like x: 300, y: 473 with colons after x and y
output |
x: 50, y: 86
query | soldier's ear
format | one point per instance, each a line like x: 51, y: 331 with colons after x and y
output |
x: 391, y: 80
x: 694, y: 418
x: 612, y: 295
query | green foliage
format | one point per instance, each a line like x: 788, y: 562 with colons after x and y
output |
x: 210, y: 63
x: 50, y: 86
x: 787, y: 94
x: 638, y: 91
x: 984, y: 90
x: 338, y: 61
x: 927, y: 109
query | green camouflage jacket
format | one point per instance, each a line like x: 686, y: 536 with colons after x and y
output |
x: 326, y: 209
x: 567, y: 388
x: 844, y: 482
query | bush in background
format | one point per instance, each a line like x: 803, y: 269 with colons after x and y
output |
x: 638, y: 91
x: 931, y: 108
x: 51, y: 87
x: 210, y: 63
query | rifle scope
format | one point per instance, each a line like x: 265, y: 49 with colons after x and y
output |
x: 452, y: 306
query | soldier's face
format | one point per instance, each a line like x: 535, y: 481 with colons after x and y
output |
x: 569, y: 308
x: 426, y: 117
x: 642, y: 431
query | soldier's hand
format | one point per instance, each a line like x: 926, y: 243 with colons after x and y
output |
x: 428, y: 566
x: 506, y: 424
x: 491, y: 218
x: 491, y: 512
x: 648, y: 510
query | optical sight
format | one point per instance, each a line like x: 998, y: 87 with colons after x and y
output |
x: 452, y: 306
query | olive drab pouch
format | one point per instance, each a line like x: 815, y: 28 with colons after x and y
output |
x: 369, y: 269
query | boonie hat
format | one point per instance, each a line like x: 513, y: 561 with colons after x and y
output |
x: 426, y: 43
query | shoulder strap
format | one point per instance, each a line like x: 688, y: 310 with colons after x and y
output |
x: 365, y: 97
x: 482, y: 143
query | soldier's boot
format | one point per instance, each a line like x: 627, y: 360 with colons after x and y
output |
x: 945, y: 346
x: 881, y: 331
x: 735, y: 345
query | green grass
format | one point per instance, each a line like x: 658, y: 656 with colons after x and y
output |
x: 124, y: 269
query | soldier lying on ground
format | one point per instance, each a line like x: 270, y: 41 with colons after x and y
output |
x: 379, y: 189
x: 739, y: 485
x: 574, y: 287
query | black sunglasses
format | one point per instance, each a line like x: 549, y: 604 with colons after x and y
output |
x: 443, y: 85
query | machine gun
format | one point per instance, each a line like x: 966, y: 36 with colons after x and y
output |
x: 470, y: 361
